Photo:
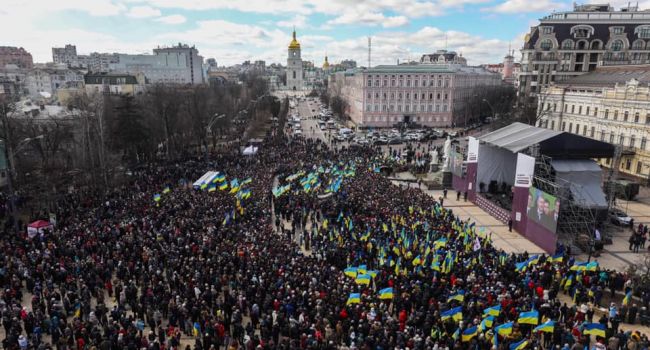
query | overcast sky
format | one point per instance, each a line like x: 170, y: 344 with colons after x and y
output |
x: 232, y: 31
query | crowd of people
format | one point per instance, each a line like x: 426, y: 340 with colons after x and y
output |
x: 158, y: 264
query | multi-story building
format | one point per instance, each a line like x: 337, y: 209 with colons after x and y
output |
x: 443, y: 57
x: 94, y: 62
x: 170, y: 65
x: 15, y: 55
x: 426, y: 94
x: 114, y: 83
x: 508, y: 69
x: 65, y: 55
x: 568, y: 44
x: 610, y: 104
x: 44, y: 82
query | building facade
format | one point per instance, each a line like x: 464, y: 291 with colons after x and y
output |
x: 443, y: 57
x: 611, y: 104
x: 173, y: 65
x: 295, y: 74
x: 508, y: 69
x: 568, y: 44
x: 17, y: 56
x: 432, y: 95
x: 44, y: 82
x: 114, y: 83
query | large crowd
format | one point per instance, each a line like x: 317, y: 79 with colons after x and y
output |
x: 369, y: 265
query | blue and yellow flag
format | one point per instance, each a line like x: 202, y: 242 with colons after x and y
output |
x: 504, y: 329
x: 596, y: 329
x: 156, y: 197
x: 460, y: 296
x: 627, y: 298
x: 363, y: 279
x: 223, y: 186
x: 196, y: 329
x: 166, y: 190
x: 529, y: 317
x: 363, y: 269
x: 469, y: 333
x: 455, y: 314
x: 487, y: 323
x: 492, y: 311
x: 77, y: 310
x: 354, y: 298
x: 519, y: 345
x: 386, y: 293
x: 546, y: 327
x: 351, y: 272
x: 557, y: 258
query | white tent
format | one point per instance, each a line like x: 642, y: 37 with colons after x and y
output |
x: 250, y: 150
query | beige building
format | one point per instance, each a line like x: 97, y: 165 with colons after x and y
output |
x: 610, y: 104
x: 115, y: 83
x: 434, y: 95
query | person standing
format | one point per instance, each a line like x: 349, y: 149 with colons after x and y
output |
x: 510, y: 225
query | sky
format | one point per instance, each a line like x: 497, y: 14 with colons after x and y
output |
x: 232, y: 31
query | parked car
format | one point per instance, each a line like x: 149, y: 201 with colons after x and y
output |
x: 395, y: 141
x: 381, y: 141
x: 618, y: 217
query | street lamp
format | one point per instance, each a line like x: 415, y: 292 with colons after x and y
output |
x: 494, y: 116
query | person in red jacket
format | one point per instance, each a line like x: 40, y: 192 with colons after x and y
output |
x: 402, y: 320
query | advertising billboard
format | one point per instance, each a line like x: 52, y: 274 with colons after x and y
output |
x: 543, y: 208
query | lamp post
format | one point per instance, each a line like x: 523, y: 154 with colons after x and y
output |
x: 494, y: 117
x: 10, y: 170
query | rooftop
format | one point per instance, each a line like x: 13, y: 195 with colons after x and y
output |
x: 598, y: 13
x: 611, y: 75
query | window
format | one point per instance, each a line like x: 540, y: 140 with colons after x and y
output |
x: 385, y: 96
x: 565, y: 108
x: 415, y: 96
x: 430, y: 96
x: 567, y: 44
x: 625, y: 115
x: 408, y: 96
x: 643, y: 143
x: 376, y: 95
x: 647, y: 119
x: 579, y: 109
x: 369, y: 80
x: 621, y: 139
x: 617, y: 45
x: 370, y: 95
x: 408, y: 82
x: 602, y: 136
x: 636, y: 117
x: 628, y: 164
x: 639, y: 166
x: 615, y: 115
x: 416, y: 83
x: 617, y: 30
x: 573, y: 109
x: 368, y: 108
x: 546, y: 44
x: 587, y: 112
x: 547, y: 30
x: 384, y: 83
x: 632, y: 140
x: 592, y: 132
x: 584, y: 130
x: 570, y: 127
x: 611, y: 138
x: 294, y: 74
x: 552, y: 124
x: 399, y: 108
x: 376, y: 108
x: 563, y: 126
x: 399, y: 97
x: 606, y: 113
x: 595, y: 111
x: 392, y: 82
x: 638, y: 45
x: 407, y: 108
x: 643, y: 32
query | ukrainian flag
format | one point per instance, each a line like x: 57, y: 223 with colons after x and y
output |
x: 247, y: 181
x: 363, y: 279
x: 558, y: 258
x: 77, y: 310
x: 533, y: 260
x: 156, y: 197
x: 373, y: 273
x: 196, y: 330
x: 354, y: 298
x: 596, y: 329
x: 627, y: 298
x: 212, y: 188
x: 493, y: 311
x: 592, y: 266
x: 455, y: 314
x: 363, y: 269
x: 204, y: 186
x: 504, y: 329
x: 547, y: 327
x: 469, y: 333
x: 166, y: 190
x: 519, y: 345
x: 487, y: 323
x: 521, y: 266
x: 220, y: 178
x: 460, y: 296
x: 351, y: 272
x: 223, y: 186
x: 386, y: 293
x: 417, y: 261
x: 530, y: 317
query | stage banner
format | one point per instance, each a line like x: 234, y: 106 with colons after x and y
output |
x: 543, y: 208
x: 524, y: 171
x: 472, y: 150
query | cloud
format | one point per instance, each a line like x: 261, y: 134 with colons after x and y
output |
x: 143, y: 12
x: 298, y: 21
x: 369, y: 18
x: 172, y: 19
x: 525, y: 6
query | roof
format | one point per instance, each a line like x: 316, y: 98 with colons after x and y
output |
x: 611, y: 75
x: 518, y: 136
x: 410, y: 69
x: 562, y: 31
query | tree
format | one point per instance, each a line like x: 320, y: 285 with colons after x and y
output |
x: 339, y: 106
x: 129, y: 133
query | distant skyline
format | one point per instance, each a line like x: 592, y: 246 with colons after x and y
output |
x: 232, y: 31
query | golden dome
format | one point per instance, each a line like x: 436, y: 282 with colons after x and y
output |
x: 326, y: 65
x: 294, y: 43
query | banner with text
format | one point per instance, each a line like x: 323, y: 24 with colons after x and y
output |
x: 524, y: 171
